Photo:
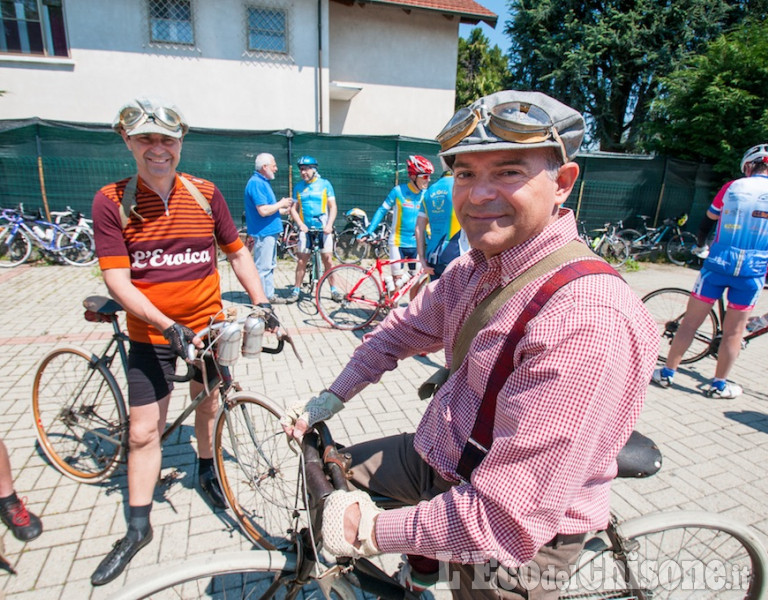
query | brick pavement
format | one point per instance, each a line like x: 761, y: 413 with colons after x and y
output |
x: 715, y: 452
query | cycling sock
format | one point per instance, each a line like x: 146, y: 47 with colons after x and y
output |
x: 718, y: 383
x: 204, y: 466
x: 138, y: 521
x: 667, y: 372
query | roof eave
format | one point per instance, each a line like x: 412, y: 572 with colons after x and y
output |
x: 464, y: 17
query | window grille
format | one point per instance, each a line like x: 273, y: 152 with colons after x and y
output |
x: 33, y: 27
x: 170, y: 22
x: 267, y: 30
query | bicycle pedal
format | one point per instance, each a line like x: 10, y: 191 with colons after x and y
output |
x: 336, y: 570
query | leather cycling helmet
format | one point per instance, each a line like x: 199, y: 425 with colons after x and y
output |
x: 418, y: 165
x: 307, y: 161
x: 757, y: 153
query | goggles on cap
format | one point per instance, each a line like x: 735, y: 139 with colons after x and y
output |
x: 132, y: 116
x: 519, y: 122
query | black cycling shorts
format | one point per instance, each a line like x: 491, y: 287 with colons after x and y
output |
x: 148, y: 366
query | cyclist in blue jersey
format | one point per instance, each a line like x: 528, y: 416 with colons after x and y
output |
x: 445, y: 240
x: 404, y: 201
x: 736, y: 262
x: 314, y: 207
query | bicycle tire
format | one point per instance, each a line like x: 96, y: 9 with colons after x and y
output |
x: 676, y: 555
x: 629, y: 235
x: 678, y: 248
x: 258, y: 472
x: 667, y: 307
x: 80, y: 417
x: 76, y: 247
x: 615, y: 251
x: 287, y: 242
x: 361, y: 300
x: 14, y: 249
x: 348, y: 249
x: 236, y: 575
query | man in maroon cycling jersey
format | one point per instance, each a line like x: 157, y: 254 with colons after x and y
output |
x: 159, y: 262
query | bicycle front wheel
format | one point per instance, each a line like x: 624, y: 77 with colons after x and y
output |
x: 667, y: 307
x: 236, y: 575
x: 80, y: 416
x: 257, y: 469
x: 679, y: 248
x: 677, y: 555
x: 354, y: 301
x: 76, y: 247
x: 14, y: 248
x: 349, y: 249
x: 615, y: 251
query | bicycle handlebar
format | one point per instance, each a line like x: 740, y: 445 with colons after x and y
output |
x: 212, y: 335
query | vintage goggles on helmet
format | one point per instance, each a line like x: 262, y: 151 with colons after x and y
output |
x: 518, y: 122
x: 133, y: 116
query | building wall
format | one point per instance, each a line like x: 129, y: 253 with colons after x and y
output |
x: 405, y: 64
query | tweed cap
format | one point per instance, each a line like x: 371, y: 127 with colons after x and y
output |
x: 513, y: 120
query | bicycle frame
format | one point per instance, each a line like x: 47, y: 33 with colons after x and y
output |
x: 390, y: 298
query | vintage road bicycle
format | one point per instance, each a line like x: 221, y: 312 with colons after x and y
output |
x: 363, y: 294
x: 668, y: 306
x: 80, y: 414
x: 665, y: 556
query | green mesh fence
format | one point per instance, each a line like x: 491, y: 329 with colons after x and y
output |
x: 67, y: 163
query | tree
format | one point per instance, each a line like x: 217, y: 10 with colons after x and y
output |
x: 481, y: 70
x: 605, y: 57
x: 715, y: 106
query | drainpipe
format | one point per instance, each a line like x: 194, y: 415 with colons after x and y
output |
x: 319, y: 66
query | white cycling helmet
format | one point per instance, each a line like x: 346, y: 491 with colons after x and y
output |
x: 757, y: 153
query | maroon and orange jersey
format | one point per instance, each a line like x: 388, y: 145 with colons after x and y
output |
x: 171, y: 253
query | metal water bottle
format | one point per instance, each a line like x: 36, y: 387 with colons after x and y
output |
x: 228, y: 344
x: 253, y: 332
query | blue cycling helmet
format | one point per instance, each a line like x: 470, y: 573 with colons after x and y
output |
x: 307, y: 161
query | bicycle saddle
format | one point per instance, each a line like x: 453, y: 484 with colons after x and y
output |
x: 102, y: 305
x: 639, y: 457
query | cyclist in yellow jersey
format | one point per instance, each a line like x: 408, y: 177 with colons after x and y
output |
x: 404, y: 201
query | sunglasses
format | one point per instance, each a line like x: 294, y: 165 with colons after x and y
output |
x: 519, y: 122
x: 132, y: 116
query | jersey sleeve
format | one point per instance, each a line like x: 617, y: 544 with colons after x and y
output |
x: 108, y: 233
x: 717, y: 204
x: 224, y: 229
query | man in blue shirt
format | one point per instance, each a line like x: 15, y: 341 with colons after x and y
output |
x: 262, y: 215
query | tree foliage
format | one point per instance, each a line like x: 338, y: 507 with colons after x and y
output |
x: 715, y: 106
x: 605, y: 57
x: 481, y: 70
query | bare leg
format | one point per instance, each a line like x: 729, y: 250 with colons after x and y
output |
x: 145, y: 456
x: 205, y: 414
x: 327, y: 265
x: 6, y: 479
x: 733, y: 331
x: 301, y: 268
x: 695, y: 314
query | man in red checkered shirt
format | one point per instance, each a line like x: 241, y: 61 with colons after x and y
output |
x: 580, y: 373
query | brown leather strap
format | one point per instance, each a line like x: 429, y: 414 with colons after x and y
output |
x: 498, y: 298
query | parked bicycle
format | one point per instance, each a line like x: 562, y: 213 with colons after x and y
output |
x: 288, y: 240
x: 351, y: 248
x: 606, y: 244
x: 363, y: 294
x: 20, y: 232
x: 682, y: 554
x: 669, y: 238
x: 72, y: 218
x: 79, y: 410
x: 668, y: 306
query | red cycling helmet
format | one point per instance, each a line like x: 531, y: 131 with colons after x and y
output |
x: 418, y: 165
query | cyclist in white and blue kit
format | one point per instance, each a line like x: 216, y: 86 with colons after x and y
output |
x: 314, y: 207
x: 736, y: 262
x: 404, y: 201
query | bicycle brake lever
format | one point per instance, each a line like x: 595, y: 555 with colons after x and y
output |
x: 285, y: 336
